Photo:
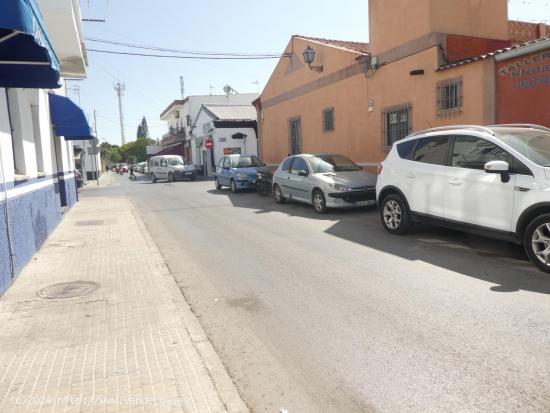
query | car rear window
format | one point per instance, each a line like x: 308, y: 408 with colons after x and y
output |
x: 434, y: 150
x: 404, y: 149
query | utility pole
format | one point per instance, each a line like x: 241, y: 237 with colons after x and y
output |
x: 120, y: 88
x: 182, y: 87
x: 97, y: 166
x: 76, y: 90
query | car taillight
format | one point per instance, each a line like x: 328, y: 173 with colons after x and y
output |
x: 380, y: 167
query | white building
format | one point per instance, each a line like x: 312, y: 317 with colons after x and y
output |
x: 41, y: 43
x: 180, y: 116
x: 231, y: 129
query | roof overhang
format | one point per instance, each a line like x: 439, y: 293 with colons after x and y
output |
x: 64, y: 25
x: 532, y: 48
x: 176, y: 104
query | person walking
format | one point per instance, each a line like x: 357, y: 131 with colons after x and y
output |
x: 132, y: 176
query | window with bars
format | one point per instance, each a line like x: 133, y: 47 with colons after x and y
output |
x: 449, y: 97
x: 396, y: 123
x: 328, y: 120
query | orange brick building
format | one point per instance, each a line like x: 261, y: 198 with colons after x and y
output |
x: 437, y: 62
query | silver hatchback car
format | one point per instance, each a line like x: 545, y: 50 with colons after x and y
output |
x: 324, y: 181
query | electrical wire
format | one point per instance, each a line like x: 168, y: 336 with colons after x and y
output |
x: 191, y: 52
x: 185, y: 57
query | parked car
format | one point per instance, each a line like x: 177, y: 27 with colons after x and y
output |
x: 141, y: 167
x: 238, y: 172
x: 264, y: 183
x: 170, y: 167
x: 493, y: 181
x: 324, y: 181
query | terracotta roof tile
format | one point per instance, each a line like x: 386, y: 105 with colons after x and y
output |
x: 357, y: 47
x: 491, y: 54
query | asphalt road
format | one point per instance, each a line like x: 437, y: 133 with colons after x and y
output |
x: 332, y: 314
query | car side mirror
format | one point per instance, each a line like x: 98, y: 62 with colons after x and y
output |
x: 498, y: 167
x: 303, y: 173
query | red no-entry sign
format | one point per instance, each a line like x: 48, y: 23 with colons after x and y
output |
x: 209, y: 144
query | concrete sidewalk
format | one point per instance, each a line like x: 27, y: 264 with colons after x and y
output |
x: 96, y: 322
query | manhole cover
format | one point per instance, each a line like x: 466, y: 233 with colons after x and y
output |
x: 90, y: 222
x: 67, y: 290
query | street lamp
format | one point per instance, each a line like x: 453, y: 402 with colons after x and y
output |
x: 309, y: 57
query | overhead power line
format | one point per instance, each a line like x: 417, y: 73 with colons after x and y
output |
x: 180, y: 51
x: 186, y: 57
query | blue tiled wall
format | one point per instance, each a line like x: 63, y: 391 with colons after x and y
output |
x: 32, y: 217
x: 5, y: 275
x: 67, y: 188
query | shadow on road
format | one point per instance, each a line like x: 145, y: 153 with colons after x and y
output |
x: 501, y: 263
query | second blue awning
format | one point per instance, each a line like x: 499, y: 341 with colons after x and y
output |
x: 27, y: 58
x: 68, y: 119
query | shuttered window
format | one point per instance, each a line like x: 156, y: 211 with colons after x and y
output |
x: 328, y: 120
x: 396, y: 123
x: 449, y: 98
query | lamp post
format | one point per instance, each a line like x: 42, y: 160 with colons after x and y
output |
x: 309, y: 58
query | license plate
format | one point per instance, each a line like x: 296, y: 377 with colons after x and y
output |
x: 188, y: 173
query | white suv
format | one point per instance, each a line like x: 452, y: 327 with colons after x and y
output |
x: 492, y: 181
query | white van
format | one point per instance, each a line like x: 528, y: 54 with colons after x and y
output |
x: 170, y: 167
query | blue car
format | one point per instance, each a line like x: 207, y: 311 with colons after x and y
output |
x: 238, y: 172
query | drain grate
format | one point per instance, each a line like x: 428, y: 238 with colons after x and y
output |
x: 67, y: 290
x: 90, y: 222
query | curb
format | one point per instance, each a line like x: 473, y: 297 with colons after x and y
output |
x: 224, y: 385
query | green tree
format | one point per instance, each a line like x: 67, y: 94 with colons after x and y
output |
x: 110, y: 152
x: 136, y: 151
x: 143, y: 129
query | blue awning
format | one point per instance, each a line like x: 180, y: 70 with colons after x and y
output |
x: 27, y: 58
x: 68, y: 119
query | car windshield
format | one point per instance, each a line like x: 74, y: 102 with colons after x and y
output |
x: 175, y: 161
x: 333, y: 163
x: 245, y: 162
x: 534, y: 144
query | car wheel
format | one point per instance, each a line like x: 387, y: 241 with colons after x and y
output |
x: 153, y: 178
x: 395, y: 214
x: 170, y: 177
x: 193, y: 177
x: 278, y: 194
x: 319, y: 202
x: 536, y: 241
x: 233, y: 186
x: 218, y: 186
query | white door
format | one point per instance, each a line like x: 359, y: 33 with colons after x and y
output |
x: 474, y: 196
x: 425, y: 175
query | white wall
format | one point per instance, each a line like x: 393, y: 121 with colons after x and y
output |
x: 248, y: 146
x: 192, y: 108
x: 222, y: 138
x: 26, y: 134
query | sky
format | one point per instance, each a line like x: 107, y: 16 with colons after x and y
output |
x: 243, y: 26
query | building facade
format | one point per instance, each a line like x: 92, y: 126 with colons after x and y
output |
x: 231, y: 129
x: 181, y: 114
x: 36, y: 163
x: 434, y: 63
